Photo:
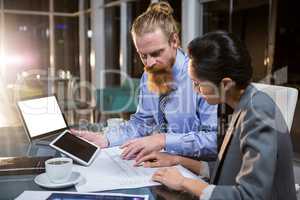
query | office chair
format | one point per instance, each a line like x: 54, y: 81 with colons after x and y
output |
x: 284, y: 97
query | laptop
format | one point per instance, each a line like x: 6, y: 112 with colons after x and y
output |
x: 42, y: 117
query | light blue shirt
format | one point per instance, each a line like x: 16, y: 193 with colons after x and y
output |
x: 192, y: 122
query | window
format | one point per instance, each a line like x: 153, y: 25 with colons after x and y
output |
x: 112, y: 44
x: 176, y: 5
x: 215, y: 16
x: 88, y: 46
x: 26, y: 44
x: 134, y: 10
x: 68, y: 6
x: 286, y: 59
x: 33, y: 5
x: 249, y: 22
x: 66, y: 44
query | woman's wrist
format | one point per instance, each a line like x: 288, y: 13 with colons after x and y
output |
x: 193, y: 186
x: 177, y: 160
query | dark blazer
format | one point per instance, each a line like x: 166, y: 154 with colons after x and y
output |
x: 255, y: 159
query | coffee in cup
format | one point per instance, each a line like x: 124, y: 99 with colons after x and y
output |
x: 59, y: 169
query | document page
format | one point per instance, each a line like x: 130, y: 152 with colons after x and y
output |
x: 109, y: 172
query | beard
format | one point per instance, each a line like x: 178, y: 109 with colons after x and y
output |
x: 160, y: 79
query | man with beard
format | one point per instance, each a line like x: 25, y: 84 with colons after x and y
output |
x: 183, y: 122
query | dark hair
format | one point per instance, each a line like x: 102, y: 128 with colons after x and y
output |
x: 219, y: 54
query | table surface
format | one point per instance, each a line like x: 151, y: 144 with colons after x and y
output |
x: 14, y: 142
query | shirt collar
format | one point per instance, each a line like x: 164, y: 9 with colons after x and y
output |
x: 178, y: 66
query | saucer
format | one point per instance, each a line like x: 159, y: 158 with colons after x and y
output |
x: 43, y: 180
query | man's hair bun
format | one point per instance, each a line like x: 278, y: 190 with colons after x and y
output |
x: 161, y: 7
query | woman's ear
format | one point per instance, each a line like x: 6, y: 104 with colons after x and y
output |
x: 225, y: 86
x: 227, y: 83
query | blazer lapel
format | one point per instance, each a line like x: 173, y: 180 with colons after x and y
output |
x: 226, y: 141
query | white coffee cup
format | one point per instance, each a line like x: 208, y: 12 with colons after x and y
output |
x: 114, y: 122
x: 59, y: 169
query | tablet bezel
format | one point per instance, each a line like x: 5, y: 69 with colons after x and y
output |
x: 52, y: 144
x: 44, y: 134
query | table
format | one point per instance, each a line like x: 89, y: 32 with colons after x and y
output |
x: 14, y: 142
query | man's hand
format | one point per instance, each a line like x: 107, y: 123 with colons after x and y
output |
x: 96, y: 138
x: 170, y: 177
x: 158, y: 159
x: 143, y: 146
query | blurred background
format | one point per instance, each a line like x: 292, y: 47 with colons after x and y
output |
x: 82, y: 50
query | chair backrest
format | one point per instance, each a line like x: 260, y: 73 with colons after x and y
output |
x: 116, y: 100
x: 284, y: 97
x: 119, y: 99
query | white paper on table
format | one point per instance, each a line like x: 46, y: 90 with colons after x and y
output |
x: 110, y: 172
x: 43, y: 195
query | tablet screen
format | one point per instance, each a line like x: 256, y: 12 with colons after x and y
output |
x: 76, y: 146
x: 66, y: 196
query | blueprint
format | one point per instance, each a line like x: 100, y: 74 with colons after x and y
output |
x: 109, y: 171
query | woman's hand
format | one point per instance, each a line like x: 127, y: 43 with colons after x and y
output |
x: 170, y: 177
x: 158, y: 159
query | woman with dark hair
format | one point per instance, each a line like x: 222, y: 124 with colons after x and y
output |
x: 255, y: 159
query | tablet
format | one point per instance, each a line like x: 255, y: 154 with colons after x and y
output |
x: 102, y: 196
x: 41, y: 117
x: 76, y: 148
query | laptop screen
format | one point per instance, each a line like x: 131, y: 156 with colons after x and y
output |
x: 41, y: 116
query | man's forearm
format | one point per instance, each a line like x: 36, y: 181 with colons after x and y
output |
x: 193, y: 144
